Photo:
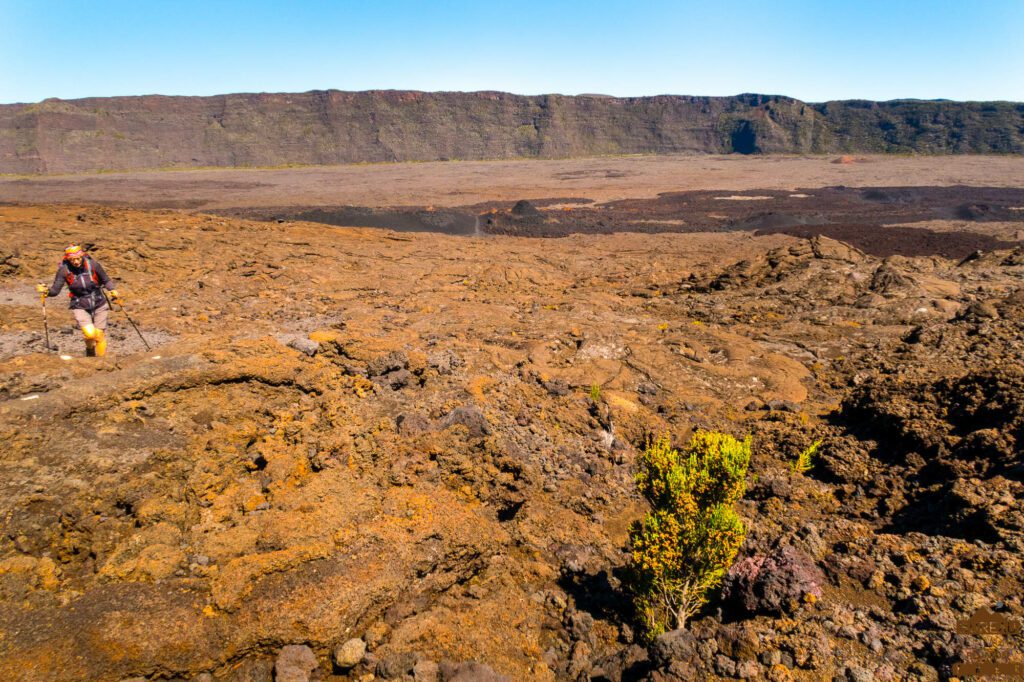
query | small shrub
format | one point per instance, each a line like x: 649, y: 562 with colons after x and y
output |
x: 682, y: 548
x: 804, y: 461
x: 595, y: 392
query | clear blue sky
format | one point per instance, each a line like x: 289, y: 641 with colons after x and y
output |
x: 815, y: 51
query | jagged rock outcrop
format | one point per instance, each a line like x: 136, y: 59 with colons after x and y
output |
x: 329, y: 127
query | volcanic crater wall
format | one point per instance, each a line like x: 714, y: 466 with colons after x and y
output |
x: 331, y: 127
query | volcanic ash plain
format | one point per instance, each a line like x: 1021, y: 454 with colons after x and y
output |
x: 357, y: 452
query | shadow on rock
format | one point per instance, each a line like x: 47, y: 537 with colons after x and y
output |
x: 601, y: 594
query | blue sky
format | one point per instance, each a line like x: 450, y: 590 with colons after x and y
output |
x: 814, y: 51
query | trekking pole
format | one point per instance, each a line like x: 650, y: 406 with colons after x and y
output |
x: 46, y: 325
x: 130, y: 321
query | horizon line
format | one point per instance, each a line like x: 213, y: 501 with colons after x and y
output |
x: 505, y: 92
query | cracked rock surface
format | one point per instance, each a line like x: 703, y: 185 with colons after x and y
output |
x: 353, y: 452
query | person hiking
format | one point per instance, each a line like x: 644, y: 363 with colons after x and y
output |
x: 85, y: 278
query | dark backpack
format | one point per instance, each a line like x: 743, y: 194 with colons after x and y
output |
x: 90, y: 292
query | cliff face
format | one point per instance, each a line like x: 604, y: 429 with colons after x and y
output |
x: 330, y: 127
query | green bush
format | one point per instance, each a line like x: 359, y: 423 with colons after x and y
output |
x: 804, y: 461
x: 682, y: 548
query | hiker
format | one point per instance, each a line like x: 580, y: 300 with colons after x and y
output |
x: 85, y: 278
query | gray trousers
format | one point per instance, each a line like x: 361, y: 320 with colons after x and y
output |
x: 97, y: 318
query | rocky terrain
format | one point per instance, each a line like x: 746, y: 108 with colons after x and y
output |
x: 357, y: 453
x: 332, y: 127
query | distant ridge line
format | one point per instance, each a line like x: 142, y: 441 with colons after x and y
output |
x: 333, y: 127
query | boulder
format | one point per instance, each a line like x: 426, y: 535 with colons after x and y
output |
x: 525, y: 209
x: 471, y: 417
x: 426, y: 671
x: 412, y: 423
x: 889, y: 279
x: 675, y: 645
x: 444, y: 362
x: 396, y: 666
x: 387, y: 362
x: 307, y: 346
x: 398, y: 379
x: 9, y: 264
x: 772, y: 583
x: 979, y: 311
x: 295, y: 663
x: 349, y: 654
x: 833, y: 249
